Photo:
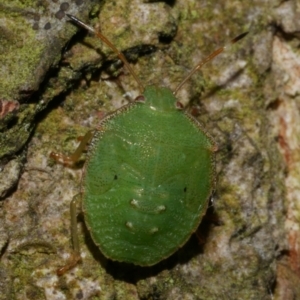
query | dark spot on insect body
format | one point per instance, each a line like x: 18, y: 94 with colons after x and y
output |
x: 115, y: 177
x: 47, y: 26
x: 59, y: 15
x: 185, y: 189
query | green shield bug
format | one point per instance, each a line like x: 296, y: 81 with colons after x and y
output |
x: 148, y: 176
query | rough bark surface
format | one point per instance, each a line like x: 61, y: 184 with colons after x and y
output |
x: 57, y: 83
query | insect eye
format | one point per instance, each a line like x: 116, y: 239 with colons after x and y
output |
x: 140, y: 99
x: 179, y: 105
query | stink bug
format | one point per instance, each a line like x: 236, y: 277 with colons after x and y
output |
x: 148, y: 177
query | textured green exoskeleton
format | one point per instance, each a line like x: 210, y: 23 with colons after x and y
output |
x: 148, y: 176
x: 147, y: 181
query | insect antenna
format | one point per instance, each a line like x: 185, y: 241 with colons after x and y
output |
x: 207, y: 59
x: 111, y: 46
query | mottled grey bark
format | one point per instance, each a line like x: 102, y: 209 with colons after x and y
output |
x: 54, y: 89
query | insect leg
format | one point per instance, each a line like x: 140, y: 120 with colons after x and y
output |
x: 75, y: 256
x: 73, y: 158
